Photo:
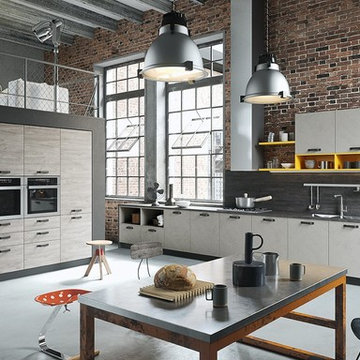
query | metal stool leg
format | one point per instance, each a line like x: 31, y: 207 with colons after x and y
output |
x: 147, y: 266
x: 138, y: 272
x: 357, y: 358
x: 42, y: 342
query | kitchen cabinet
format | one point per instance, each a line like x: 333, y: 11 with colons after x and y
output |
x: 10, y: 226
x: 41, y: 151
x: 76, y: 171
x: 41, y: 253
x: 11, y: 149
x: 152, y: 233
x: 315, y: 133
x: 76, y: 230
x: 129, y: 233
x: 177, y: 229
x: 232, y: 229
x: 204, y: 233
x: 308, y: 241
x: 11, y: 258
x: 347, y: 130
x: 274, y: 232
x: 344, y: 245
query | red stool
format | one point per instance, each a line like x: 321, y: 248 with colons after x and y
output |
x: 57, y: 299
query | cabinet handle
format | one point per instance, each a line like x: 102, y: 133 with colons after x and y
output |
x: 351, y: 226
x: 354, y: 148
x: 129, y: 227
x: 268, y: 220
x: 42, y: 221
x: 42, y: 172
x: 307, y: 222
x: 42, y: 233
x: 76, y: 217
x: 314, y: 149
x: 204, y: 214
x: 177, y: 212
x: 5, y: 237
x: 5, y: 224
x: 76, y: 210
x: 234, y: 217
x: 43, y: 245
x: 151, y: 230
x: 5, y: 172
x: 5, y: 251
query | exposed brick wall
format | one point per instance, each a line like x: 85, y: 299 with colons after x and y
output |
x: 317, y: 45
x: 112, y: 220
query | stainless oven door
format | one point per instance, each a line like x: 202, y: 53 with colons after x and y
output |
x: 11, y: 198
x: 42, y: 200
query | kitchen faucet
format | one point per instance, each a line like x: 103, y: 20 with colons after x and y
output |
x: 342, y: 208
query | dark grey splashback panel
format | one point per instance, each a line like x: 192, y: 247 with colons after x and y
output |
x: 288, y: 191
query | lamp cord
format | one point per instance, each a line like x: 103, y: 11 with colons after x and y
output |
x: 267, y: 24
x: 173, y: 5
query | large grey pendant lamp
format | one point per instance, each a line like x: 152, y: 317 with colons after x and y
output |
x: 267, y: 85
x: 173, y: 56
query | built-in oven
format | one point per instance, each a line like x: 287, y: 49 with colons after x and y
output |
x: 11, y: 197
x: 42, y: 196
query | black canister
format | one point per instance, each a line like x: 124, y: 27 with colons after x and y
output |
x: 249, y: 273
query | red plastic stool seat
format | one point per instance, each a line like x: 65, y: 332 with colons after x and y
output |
x: 60, y: 297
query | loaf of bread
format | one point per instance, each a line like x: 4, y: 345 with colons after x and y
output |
x: 175, y: 277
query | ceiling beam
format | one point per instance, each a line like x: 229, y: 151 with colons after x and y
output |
x: 27, y: 29
x: 110, y: 8
x: 62, y: 10
x: 19, y: 13
x: 22, y: 39
x: 199, y: 2
x: 162, y: 6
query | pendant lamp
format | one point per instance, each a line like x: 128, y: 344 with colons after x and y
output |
x: 173, y: 56
x: 267, y: 85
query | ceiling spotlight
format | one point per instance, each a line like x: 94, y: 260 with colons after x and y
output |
x: 46, y: 30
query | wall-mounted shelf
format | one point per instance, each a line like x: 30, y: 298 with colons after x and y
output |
x: 276, y: 143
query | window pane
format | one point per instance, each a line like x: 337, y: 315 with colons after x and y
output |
x: 175, y: 101
x: 121, y: 86
x: 217, y: 165
x: 142, y: 148
x: 174, y: 123
x: 121, y: 109
x: 133, y: 70
x: 122, y: 186
x: 217, y: 52
x: 176, y: 188
x: 189, y: 188
x: 188, y: 99
x: 133, y: 84
x: 111, y: 88
x: 141, y: 105
x: 175, y: 166
x: 134, y: 107
x: 141, y: 187
x: 218, y: 142
x: 122, y: 167
x: 188, y: 166
x: 110, y: 75
x: 111, y: 167
x: 203, y: 97
x: 111, y: 129
x: 217, y: 119
x: 217, y: 188
x: 203, y: 166
x: 133, y: 166
x: 217, y: 95
x: 121, y: 73
x: 142, y: 168
x: 134, y: 186
x: 111, y: 186
x: 111, y: 110
x: 203, y: 188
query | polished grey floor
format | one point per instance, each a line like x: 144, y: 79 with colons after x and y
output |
x: 21, y: 319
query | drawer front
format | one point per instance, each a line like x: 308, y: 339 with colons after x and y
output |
x: 152, y: 233
x: 46, y: 222
x: 10, y: 226
x: 42, y: 235
x: 10, y: 239
x: 11, y: 258
x: 130, y: 233
x: 41, y: 253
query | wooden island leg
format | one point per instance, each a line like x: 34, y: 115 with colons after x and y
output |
x: 87, y: 333
x: 340, y: 321
x: 208, y: 352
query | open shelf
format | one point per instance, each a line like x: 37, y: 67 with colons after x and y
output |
x: 274, y: 143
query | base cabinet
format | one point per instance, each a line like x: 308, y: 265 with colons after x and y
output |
x: 274, y: 232
x: 177, y: 230
x: 232, y: 229
x: 129, y: 233
x: 152, y: 233
x: 11, y: 258
x: 41, y: 253
x: 344, y: 246
x: 308, y: 241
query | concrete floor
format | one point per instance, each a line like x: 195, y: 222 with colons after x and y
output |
x: 21, y: 319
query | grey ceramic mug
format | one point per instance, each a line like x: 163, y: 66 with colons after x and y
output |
x: 297, y: 271
x: 218, y: 295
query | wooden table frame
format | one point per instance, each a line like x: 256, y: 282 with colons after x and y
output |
x: 208, y: 350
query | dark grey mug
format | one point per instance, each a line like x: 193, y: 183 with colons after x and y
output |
x: 218, y: 295
x: 297, y: 271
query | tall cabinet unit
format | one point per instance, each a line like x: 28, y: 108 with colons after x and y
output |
x: 76, y: 193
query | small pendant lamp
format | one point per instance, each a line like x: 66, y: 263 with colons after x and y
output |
x: 173, y: 56
x: 267, y: 85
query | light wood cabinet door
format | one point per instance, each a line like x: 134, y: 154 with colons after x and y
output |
x: 11, y: 258
x: 232, y: 233
x: 35, y: 236
x: 76, y: 171
x: 274, y: 232
x: 344, y: 246
x: 348, y: 130
x: 41, y: 253
x: 308, y: 241
x: 10, y: 226
x: 129, y: 233
x: 177, y: 230
x: 204, y: 233
x: 41, y: 150
x: 44, y: 222
x: 152, y: 233
x: 76, y: 230
x: 315, y: 133
x: 11, y: 149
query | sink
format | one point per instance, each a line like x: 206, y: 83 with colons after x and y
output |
x: 326, y: 216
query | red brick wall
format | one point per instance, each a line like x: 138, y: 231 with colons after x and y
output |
x: 112, y: 220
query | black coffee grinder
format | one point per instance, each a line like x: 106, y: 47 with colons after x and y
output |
x: 249, y: 272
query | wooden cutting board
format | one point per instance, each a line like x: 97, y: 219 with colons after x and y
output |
x: 172, y: 295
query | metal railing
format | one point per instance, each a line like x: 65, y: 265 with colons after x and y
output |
x: 41, y: 85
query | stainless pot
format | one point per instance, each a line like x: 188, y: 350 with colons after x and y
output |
x: 248, y: 202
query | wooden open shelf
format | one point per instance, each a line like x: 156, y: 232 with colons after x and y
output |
x: 273, y: 143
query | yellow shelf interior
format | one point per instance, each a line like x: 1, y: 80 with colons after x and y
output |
x: 273, y: 143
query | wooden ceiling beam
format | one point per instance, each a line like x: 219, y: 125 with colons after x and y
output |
x: 22, y: 39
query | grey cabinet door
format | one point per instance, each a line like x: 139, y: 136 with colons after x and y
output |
x: 42, y: 150
x: 177, y: 229
x: 348, y: 130
x: 11, y: 149
x: 315, y: 133
x: 76, y: 171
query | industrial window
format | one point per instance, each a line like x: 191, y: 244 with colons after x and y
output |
x: 195, y: 131
x: 124, y: 112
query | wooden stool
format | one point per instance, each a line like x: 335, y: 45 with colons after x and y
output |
x: 100, y: 254
x: 145, y: 250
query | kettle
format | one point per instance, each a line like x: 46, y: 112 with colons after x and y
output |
x: 248, y: 272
